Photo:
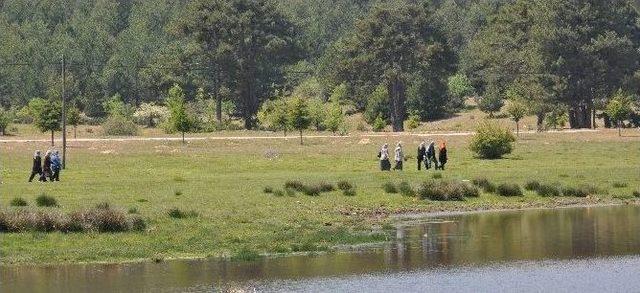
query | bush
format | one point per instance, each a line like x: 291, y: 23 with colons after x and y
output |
x: 19, y: 202
x: 176, y: 213
x: 345, y: 185
x: 580, y: 191
x: 413, y: 122
x: 406, y: 189
x: 46, y: 201
x: 389, y: 187
x: 532, y: 185
x: 119, y: 126
x: 268, y: 190
x: 485, y: 184
x: 447, y: 190
x: 636, y: 193
x: 492, y: 141
x: 379, y: 124
x: 548, y: 190
x: 509, y: 189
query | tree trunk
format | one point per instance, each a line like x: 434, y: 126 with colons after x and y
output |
x: 218, y: 97
x: 593, y: 118
x: 517, y: 128
x: 580, y: 116
x: 75, y: 132
x: 397, y: 96
x: 301, y: 137
x: 540, y: 123
x: 607, y: 120
x: 52, y: 144
x: 619, y: 128
x: 183, y: 141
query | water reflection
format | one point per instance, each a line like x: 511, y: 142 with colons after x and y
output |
x: 475, y: 239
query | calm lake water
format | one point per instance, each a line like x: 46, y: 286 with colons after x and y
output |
x: 565, y: 250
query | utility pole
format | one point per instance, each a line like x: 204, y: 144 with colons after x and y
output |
x: 64, y: 112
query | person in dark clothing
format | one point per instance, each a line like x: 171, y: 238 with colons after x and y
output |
x: 37, y: 167
x: 443, y: 155
x: 431, y: 156
x: 422, y: 155
x: 46, y: 168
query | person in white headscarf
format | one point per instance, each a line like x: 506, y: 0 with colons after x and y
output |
x: 422, y: 155
x: 36, y: 169
x: 385, y: 165
x: 399, y: 157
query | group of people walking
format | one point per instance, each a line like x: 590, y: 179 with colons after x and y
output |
x: 47, y: 169
x: 426, y: 155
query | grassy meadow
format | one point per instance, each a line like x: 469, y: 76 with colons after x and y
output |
x: 222, y: 183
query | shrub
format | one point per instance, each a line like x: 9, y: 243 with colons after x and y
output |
x: 532, y: 185
x: 485, y: 184
x: 119, y: 126
x: 295, y: 185
x: 389, y: 187
x: 46, y: 201
x: 619, y: 185
x: 636, y: 193
x: 509, y: 189
x: 447, y: 190
x: 345, y: 185
x: 580, y: 191
x: 176, y: 213
x: 268, y: 190
x: 406, y: 189
x: 352, y: 192
x: 491, y: 141
x: 548, y: 190
x: 413, y: 122
x: 379, y: 124
x: 19, y: 202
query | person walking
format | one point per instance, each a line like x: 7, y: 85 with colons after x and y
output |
x: 431, y: 156
x: 399, y: 157
x: 385, y: 165
x: 422, y: 155
x: 46, y: 167
x: 56, y: 166
x: 443, y: 155
x: 37, y: 167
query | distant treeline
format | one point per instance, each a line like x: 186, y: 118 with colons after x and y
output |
x: 390, y: 60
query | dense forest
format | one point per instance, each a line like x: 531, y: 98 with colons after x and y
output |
x: 390, y: 60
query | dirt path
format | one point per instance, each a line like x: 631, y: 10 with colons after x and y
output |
x: 364, y: 135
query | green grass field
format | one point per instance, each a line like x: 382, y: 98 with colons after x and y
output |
x: 223, y: 182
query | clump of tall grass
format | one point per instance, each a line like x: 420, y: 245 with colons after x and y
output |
x: 268, y: 190
x: 389, y: 187
x: 308, y: 189
x: 532, y: 185
x: 177, y: 213
x: 580, y: 191
x: 509, y: 190
x: 437, y: 175
x: 636, y: 193
x: 484, y: 183
x: 619, y: 184
x: 19, y: 202
x: 44, y: 200
x: 246, y: 254
x: 326, y: 187
x: 406, y: 189
x: 348, y: 189
x: 295, y: 185
x: 447, y: 190
x: 102, y: 220
x: 548, y: 190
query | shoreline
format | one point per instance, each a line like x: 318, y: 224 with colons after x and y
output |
x: 398, y: 219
